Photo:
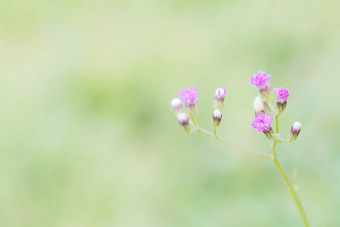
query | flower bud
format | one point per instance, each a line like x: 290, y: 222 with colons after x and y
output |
x: 219, y: 98
x: 176, y: 104
x: 183, y: 120
x: 294, y: 131
x: 220, y: 94
x: 216, y: 117
x: 258, y: 105
x: 282, y: 96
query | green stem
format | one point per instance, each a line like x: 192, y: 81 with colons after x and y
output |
x: 277, y: 123
x: 194, y: 121
x: 290, y: 186
x: 286, y: 179
x: 255, y: 153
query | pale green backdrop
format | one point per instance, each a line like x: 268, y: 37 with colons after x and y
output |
x: 88, y: 137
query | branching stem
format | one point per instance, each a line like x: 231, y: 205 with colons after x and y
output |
x: 273, y: 157
x: 254, y: 153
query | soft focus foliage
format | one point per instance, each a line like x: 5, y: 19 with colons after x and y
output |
x: 89, y: 137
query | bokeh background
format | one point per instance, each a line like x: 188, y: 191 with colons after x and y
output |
x: 88, y: 137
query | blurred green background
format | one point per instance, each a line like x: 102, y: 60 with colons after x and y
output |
x: 89, y: 137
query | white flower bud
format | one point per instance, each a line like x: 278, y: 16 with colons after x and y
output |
x: 294, y: 131
x: 220, y: 94
x: 216, y: 116
x: 296, y: 128
x: 219, y: 98
x: 184, y: 121
x: 182, y: 118
x: 258, y: 104
x: 176, y: 104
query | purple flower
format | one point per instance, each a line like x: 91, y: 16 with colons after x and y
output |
x: 189, y: 95
x: 282, y: 94
x: 260, y: 79
x: 262, y: 122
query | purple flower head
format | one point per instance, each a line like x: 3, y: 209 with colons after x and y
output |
x: 189, y: 95
x: 262, y: 122
x: 260, y: 79
x: 282, y: 94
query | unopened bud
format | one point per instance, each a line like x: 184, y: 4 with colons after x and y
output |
x: 220, y: 93
x: 219, y: 98
x: 183, y: 120
x: 294, y: 131
x: 176, y: 104
x: 216, y: 117
x: 258, y: 105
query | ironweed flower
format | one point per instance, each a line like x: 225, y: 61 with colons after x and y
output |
x: 282, y: 96
x: 261, y: 80
x: 262, y: 123
x: 189, y: 96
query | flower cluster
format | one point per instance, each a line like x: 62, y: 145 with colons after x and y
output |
x: 265, y: 113
x: 190, y: 97
x: 263, y: 106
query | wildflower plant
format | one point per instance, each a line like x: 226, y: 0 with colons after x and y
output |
x: 267, y: 109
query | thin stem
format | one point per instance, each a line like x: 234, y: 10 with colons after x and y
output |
x: 287, y: 181
x: 277, y: 123
x: 255, y: 153
x: 194, y: 121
